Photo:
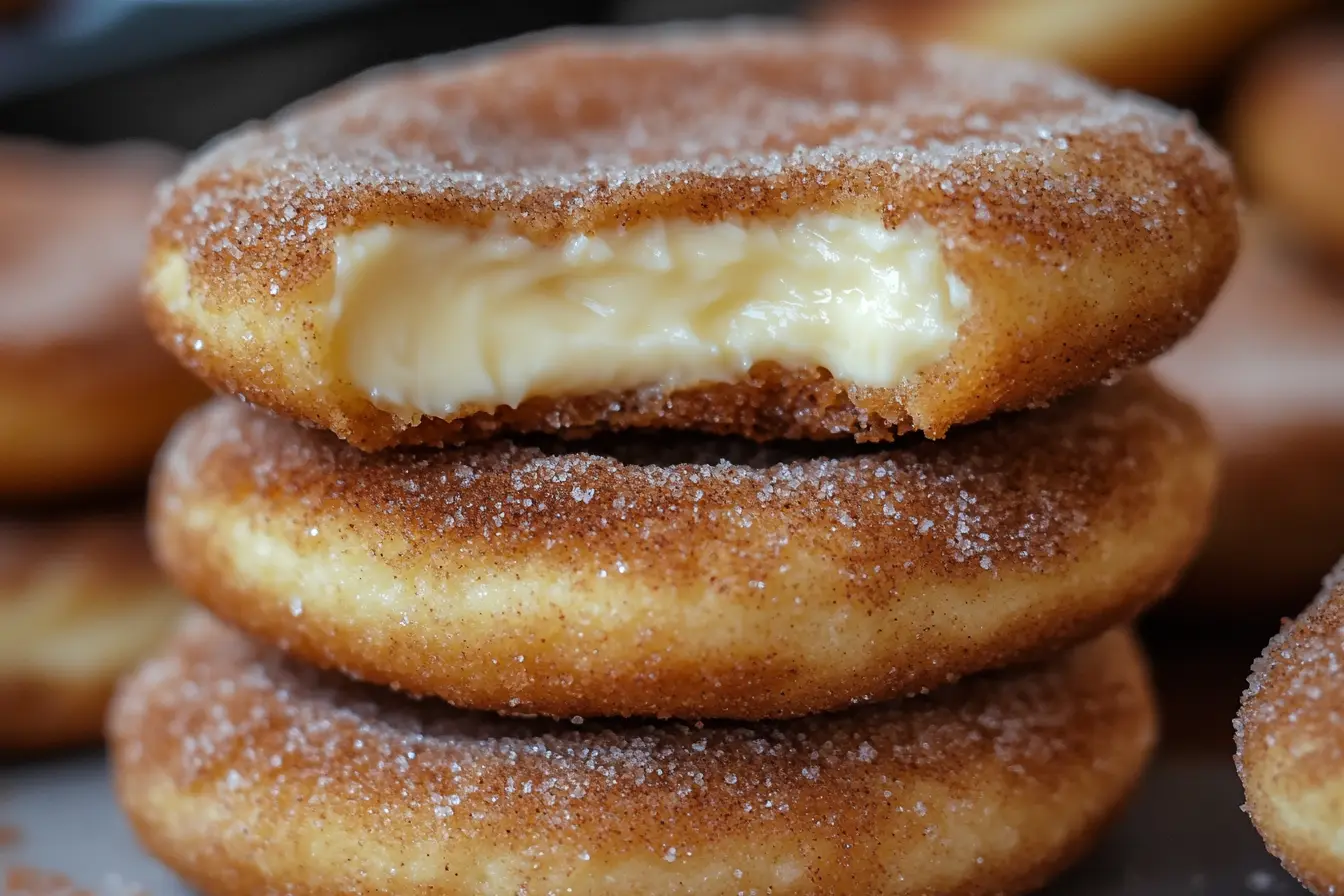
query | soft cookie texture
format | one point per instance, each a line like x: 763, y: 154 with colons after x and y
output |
x: 248, y: 773
x: 686, y: 578
x: 81, y: 604
x: 1082, y: 231
x: 1290, y: 742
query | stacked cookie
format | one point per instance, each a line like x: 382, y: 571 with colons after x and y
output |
x: 655, y: 369
x: 85, y: 399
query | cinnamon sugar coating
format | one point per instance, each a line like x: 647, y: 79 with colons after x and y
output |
x: 1290, y: 741
x: 689, y: 578
x: 1091, y: 228
x: 249, y: 773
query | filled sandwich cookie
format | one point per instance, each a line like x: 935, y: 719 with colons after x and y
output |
x: 85, y: 393
x: 248, y: 773
x: 693, y: 578
x: 759, y: 232
x: 1290, y: 741
x: 81, y: 604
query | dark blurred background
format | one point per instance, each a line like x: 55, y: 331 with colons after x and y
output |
x: 180, y: 72
x: 96, y: 70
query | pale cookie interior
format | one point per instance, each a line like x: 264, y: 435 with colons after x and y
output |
x: 429, y: 320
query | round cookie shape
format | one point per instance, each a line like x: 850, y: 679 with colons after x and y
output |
x: 696, y: 579
x: 1264, y: 369
x: 81, y: 604
x: 86, y: 395
x: 1290, y: 137
x: 1158, y: 48
x: 247, y: 773
x: 1047, y: 232
x: 1290, y: 741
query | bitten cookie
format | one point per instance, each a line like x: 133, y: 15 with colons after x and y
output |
x: 769, y: 233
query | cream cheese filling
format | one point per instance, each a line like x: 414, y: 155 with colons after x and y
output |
x: 430, y: 320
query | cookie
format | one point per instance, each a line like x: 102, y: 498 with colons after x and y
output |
x: 247, y: 773
x: 1160, y: 48
x: 1264, y: 369
x: 1289, y: 135
x: 86, y: 395
x: 769, y: 233
x: 695, y: 578
x: 81, y: 604
x: 1290, y: 741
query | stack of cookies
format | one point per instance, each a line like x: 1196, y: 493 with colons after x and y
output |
x: 636, y: 489
x: 86, y: 398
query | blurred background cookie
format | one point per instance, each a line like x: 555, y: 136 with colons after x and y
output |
x: 80, y: 604
x: 85, y: 395
x: 1267, y: 370
x: 85, y: 399
x: 1287, y: 125
x: 1162, y: 48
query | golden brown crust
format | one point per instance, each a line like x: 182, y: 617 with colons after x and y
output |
x: 1265, y: 370
x: 1290, y: 741
x: 247, y: 773
x: 1159, y: 48
x: 85, y: 394
x: 1091, y: 228
x: 778, y: 584
x: 1290, y: 136
x: 81, y: 603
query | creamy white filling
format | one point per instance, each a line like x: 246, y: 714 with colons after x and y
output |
x: 429, y: 320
